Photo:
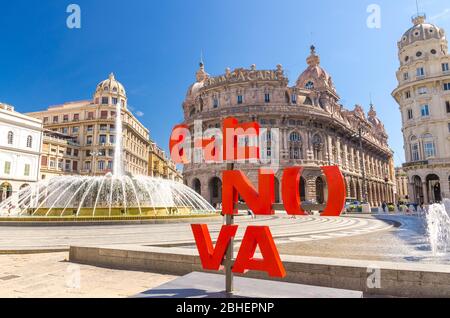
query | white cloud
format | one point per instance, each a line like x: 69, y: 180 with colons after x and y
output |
x: 441, y: 16
x: 139, y: 113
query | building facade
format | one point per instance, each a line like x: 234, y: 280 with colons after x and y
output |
x: 315, y: 130
x: 60, y: 155
x: 88, y: 128
x: 402, y: 184
x: 423, y: 94
x: 162, y: 167
x: 20, y: 147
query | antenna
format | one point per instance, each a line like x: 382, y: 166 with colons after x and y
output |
x: 417, y: 7
x: 201, y: 56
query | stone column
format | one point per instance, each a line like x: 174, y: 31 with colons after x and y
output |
x: 338, y: 152
x: 425, y: 193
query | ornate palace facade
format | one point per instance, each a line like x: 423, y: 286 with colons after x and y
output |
x: 315, y: 130
x: 91, y: 127
x: 423, y: 94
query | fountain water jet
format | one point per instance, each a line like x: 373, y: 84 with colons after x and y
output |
x: 112, y: 195
x: 438, y: 227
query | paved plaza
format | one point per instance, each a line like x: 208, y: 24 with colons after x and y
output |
x: 50, y: 275
x: 282, y: 226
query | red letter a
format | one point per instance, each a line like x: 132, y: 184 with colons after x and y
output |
x: 271, y: 263
x: 212, y: 257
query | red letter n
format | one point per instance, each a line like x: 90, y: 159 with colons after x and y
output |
x: 260, y: 202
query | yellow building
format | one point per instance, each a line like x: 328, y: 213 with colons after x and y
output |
x: 91, y: 126
x: 60, y: 155
x: 161, y: 166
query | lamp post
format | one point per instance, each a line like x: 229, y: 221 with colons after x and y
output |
x: 359, y: 135
x: 94, y: 154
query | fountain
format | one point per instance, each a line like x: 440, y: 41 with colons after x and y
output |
x: 113, y: 195
x: 438, y: 227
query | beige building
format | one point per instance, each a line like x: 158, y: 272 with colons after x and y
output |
x: 161, y: 166
x: 20, y: 147
x: 91, y: 127
x: 60, y: 155
x: 423, y: 94
x: 315, y: 130
x: 401, y: 179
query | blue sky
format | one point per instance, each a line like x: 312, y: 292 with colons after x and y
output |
x: 154, y: 48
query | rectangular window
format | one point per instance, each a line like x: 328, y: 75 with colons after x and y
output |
x: 112, y: 139
x: 26, y: 171
x: 65, y: 130
x: 267, y: 98
x: 75, y: 130
x: 44, y: 161
x: 104, y: 114
x: 60, y: 164
x: 420, y: 72
x: 215, y: 103
x: 87, y: 165
x: 294, y: 99
x: 102, y: 139
x: 410, y: 114
x: 449, y: 127
x: 88, y: 153
x: 105, y: 100
x: 65, y: 118
x: 89, y: 140
x: 447, y: 106
x: 69, y: 151
x: 422, y: 90
x: 45, y: 120
x: 75, y: 166
x: 7, y: 169
x: 114, y: 100
x: 424, y: 111
x: 68, y: 165
x: 429, y: 149
x: 103, y: 127
x: 55, y: 119
x: 75, y: 152
x: 447, y: 87
x: 110, y: 165
x: 76, y: 117
x: 408, y: 95
x: 405, y: 76
x: 90, y: 116
x: 445, y: 67
x: 90, y: 128
x: 101, y: 165
x: 240, y: 99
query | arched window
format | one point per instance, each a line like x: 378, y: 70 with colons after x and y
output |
x: 317, y: 147
x: 192, y: 112
x: 429, y: 148
x: 10, y: 138
x: 309, y: 85
x: 308, y: 101
x: 29, y: 142
x: 295, y: 137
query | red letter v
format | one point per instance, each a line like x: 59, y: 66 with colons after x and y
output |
x: 212, y: 257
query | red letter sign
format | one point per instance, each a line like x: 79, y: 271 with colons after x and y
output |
x: 271, y: 263
x: 235, y: 182
x: 212, y: 257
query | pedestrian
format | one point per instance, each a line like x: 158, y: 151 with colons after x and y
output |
x: 383, y: 206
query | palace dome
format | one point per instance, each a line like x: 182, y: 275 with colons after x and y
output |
x: 110, y: 86
x: 421, y: 31
x: 315, y: 77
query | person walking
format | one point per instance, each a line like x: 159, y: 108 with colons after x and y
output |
x: 383, y: 206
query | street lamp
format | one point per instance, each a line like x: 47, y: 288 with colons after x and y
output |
x: 94, y: 154
x: 360, y: 135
